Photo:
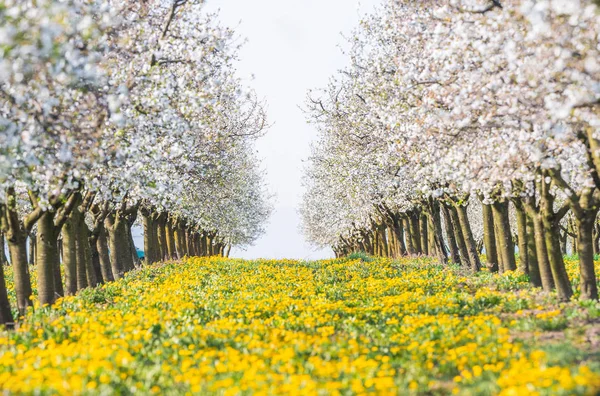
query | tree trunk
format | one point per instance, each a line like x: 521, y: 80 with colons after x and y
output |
x: 587, y: 274
x: 542, y: 254
x: 385, y: 249
x: 424, y: 242
x: 32, y: 248
x: 228, y: 251
x: 104, y: 256
x: 555, y: 257
x: 475, y: 263
x: 47, y: 259
x: 522, y: 236
x: 502, y: 229
x: 95, y: 258
x: 17, y: 247
x: 534, y: 269
x: 399, y: 231
x: 171, y: 241
x: 452, y: 245
x: 459, y: 236
x: 80, y: 241
x: 435, y: 232
x: 563, y: 236
x: 84, y: 237
x: 489, y: 238
x: 120, y: 253
x: 6, y: 317
x: 415, y: 232
x: 162, y: 237
x: 132, y: 249
x: 70, y: 256
x: 3, y: 258
x: 410, y: 247
x: 596, y: 239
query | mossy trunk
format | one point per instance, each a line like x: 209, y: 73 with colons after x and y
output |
x: 505, y: 246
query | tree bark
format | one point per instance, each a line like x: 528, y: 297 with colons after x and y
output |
x: 534, y: 269
x: 150, y: 240
x: 6, y: 317
x: 47, y: 259
x: 452, y: 245
x: 522, y: 236
x: 424, y: 235
x: 410, y: 247
x: 502, y: 229
x: 415, y: 232
x: 104, y: 256
x: 468, y: 237
x: 551, y: 225
x: 435, y: 232
x: 120, y: 253
x: 460, y: 238
x: 3, y: 258
x: 587, y: 274
x: 17, y: 247
x: 489, y: 238
x: 162, y: 236
x: 70, y: 257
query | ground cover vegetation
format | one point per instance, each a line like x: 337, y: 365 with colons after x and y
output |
x: 343, y: 326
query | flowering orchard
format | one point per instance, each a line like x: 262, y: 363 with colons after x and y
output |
x: 345, y: 326
x: 112, y: 113
x: 464, y: 126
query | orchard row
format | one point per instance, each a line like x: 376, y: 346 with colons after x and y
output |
x: 456, y: 121
x: 117, y: 112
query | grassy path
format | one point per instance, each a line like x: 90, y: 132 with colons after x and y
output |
x: 340, y: 326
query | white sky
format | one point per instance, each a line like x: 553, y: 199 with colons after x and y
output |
x: 292, y: 46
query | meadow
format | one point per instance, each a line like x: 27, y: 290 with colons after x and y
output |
x: 346, y: 326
